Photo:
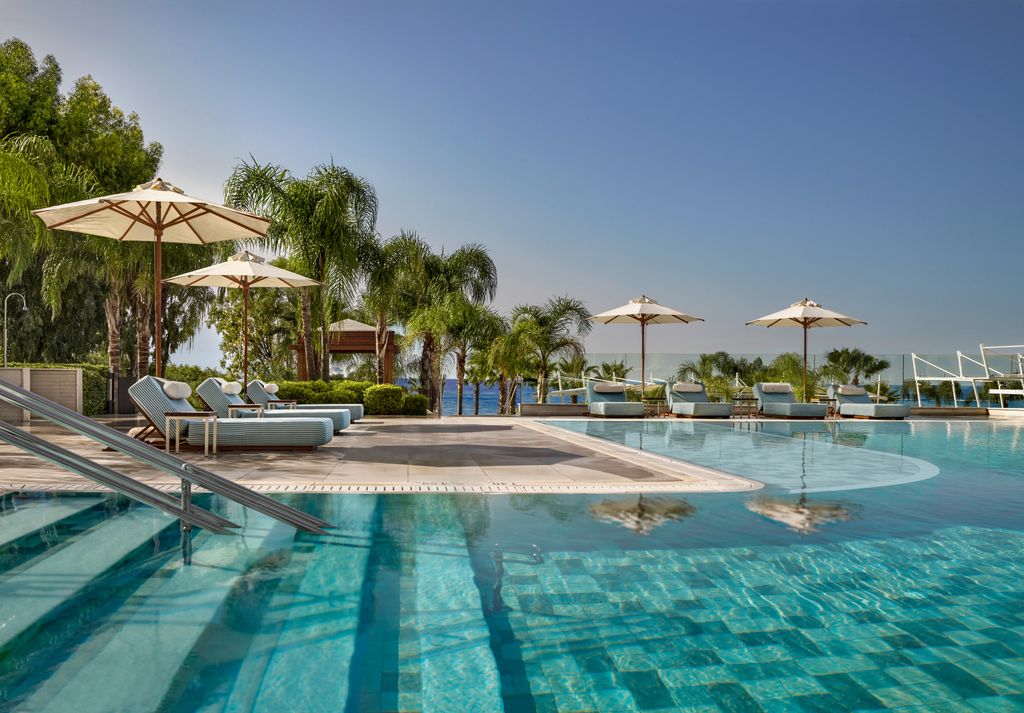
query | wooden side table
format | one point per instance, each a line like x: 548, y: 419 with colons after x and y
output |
x: 744, y: 406
x: 832, y: 410
x: 234, y: 408
x: 654, y: 407
x: 281, y: 403
x: 176, y: 417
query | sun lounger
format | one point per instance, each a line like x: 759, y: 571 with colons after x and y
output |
x: 154, y: 398
x: 223, y: 398
x: 777, y: 401
x: 265, y: 394
x: 689, y: 399
x: 608, y: 400
x: 854, y: 402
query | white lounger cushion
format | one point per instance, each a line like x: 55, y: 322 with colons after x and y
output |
x: 177, y: 389
x: 849, y: 390
x: 687, y: 387
x: 603, y: 388
x: 771, y: 388
x: 271, y: 388
x: 231, y: 388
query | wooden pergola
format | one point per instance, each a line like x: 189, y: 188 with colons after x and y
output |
x: 351, y: 337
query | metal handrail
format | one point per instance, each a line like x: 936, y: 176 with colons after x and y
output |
x: 112, y: 479
x: 73, y: 421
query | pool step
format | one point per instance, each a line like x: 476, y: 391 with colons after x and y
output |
x: 36, y: 589
x: 36, y: 514
x: 154, y: 632
x: 308, y: 633
x: 457, y: 667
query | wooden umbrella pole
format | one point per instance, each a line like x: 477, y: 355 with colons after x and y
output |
x: 245, y: 335
x: 158, y: 295
x: 643, y: 359
x: 806, y: 400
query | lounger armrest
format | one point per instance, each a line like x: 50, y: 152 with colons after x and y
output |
x: 189, y: 413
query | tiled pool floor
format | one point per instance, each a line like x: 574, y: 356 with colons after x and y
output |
x: 920, y: 624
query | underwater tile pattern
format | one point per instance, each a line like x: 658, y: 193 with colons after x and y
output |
x: 927, y: 624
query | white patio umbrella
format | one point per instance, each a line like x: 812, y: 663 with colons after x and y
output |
x: 809, y: 315
x: 155, y: 212
x: 643, y: 311
x: 243, y: 270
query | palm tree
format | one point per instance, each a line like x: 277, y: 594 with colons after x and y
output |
x: 479, y: 371
x: 390, y: 268
x: 456, y: 325
x: 613, y: 370
x: 510, y: 356
x: 552, y: 330
x: 439, y: 282
x: 472, y: 332
x: 322, y: 221
x: 577, y: 368
x: 851, y: 365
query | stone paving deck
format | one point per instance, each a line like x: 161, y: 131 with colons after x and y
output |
x: 483, y: 455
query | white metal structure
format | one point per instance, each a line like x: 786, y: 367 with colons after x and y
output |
x: 1013, y: 352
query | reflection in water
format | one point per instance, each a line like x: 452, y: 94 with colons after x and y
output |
x: 801, y: 515
x: 644, y: 515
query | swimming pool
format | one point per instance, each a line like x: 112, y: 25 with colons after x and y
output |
x: 907, y: 596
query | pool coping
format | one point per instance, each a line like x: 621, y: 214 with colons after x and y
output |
x: 711, y: 480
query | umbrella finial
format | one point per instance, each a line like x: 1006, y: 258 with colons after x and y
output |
x: 246, y: 256
x: 158, y: 184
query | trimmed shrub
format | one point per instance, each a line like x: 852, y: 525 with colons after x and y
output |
x: 193, y: 376
x: 94, y: 384
x: 359, y: 387
x: 384, y: 400
x: 321, y: 392
x: 414, y: 405
x: 346, y: 396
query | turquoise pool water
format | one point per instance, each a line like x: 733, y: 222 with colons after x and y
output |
x: 798, y: 597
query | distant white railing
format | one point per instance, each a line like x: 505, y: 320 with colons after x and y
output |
x: 988, y: 373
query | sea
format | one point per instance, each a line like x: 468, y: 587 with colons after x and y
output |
x: 488, y: 399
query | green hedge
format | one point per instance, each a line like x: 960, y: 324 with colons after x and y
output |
x: 193, y: 376
x: 321, y: 392
x: 384, y: 400
x: 94, y: 384
x: 414, y: 405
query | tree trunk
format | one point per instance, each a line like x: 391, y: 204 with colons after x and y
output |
x: 144, y: 332
x: 438, y: 386
x: 165, y: 341
x: 476, y: 398
x: 512, y: 397
x: 427, y: 368
x: 307, y: 334
x: 501, y: 394
x: 382, y: 345
x: 112, y: 310
x: 542, y: 387
x: 460, y: 376
x: 325, y: 343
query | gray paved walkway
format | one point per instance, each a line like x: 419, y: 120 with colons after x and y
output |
x: 410, y: 455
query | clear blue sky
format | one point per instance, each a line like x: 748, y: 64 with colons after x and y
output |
x: 726, y: 158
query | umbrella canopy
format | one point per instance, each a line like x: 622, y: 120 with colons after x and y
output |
x: 243, y: 270
x: 807, y: 314
x: 156, y: 212
x: 643, y: 311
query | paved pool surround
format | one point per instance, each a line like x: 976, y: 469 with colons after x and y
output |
x: 476, y: 455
